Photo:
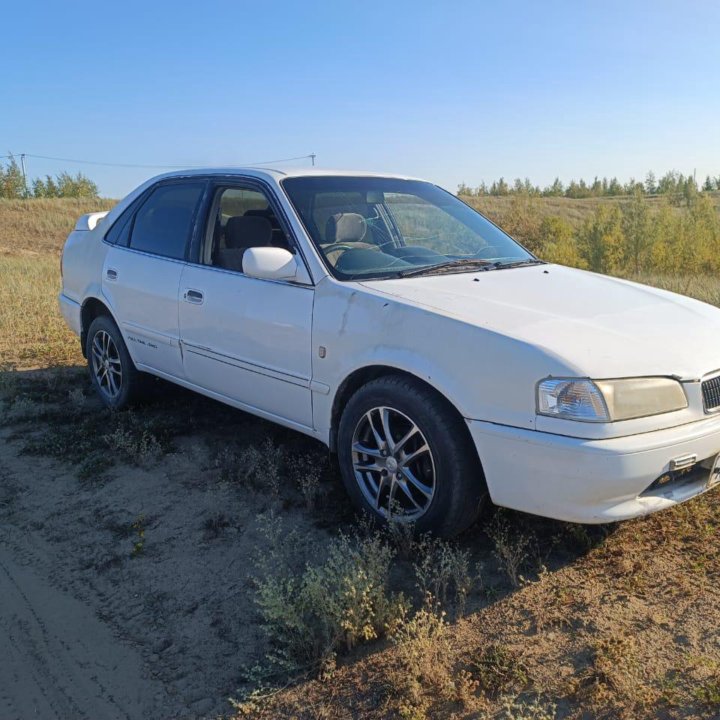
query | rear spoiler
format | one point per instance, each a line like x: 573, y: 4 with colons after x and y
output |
x: 90, y: 221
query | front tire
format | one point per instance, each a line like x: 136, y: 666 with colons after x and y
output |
x: 406, y: 455
x: 112, y: 371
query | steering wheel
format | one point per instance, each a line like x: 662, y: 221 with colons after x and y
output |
x: 337, y: 246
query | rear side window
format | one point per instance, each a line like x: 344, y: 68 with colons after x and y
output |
x: 164, y: 223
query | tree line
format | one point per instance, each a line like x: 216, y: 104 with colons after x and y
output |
x: 673, y: 184
x: 629, y: 237
x: 64, y: 185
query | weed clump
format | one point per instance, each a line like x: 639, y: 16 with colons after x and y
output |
x: 257, y: 467
x: 443, y: 571
x: 423, y: 668
x: 511, y: 548
x: 332, y: 604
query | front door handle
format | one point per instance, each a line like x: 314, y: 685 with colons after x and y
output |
x: 193, y: 296
x: 111, y: 274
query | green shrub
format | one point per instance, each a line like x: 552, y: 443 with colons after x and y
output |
x: 332, y: 604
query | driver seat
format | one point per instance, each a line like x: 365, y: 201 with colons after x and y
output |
x: 345, y: 229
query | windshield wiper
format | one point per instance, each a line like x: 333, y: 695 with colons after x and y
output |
x: 499, y: 265
x: 442, y: 267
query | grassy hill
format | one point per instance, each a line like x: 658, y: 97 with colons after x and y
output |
x: 39, y: 227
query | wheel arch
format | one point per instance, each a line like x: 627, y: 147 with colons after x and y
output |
x: 361, y: 376
x: 92, y: 308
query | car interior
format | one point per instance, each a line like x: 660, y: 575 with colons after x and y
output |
x: 358, y: 234
x: 242, y: 219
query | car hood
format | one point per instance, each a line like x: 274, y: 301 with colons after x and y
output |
x: 597, y: 326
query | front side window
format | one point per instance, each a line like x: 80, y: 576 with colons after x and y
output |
x: 368, y: 227
x: 240, y: 218
x: 164, y: 223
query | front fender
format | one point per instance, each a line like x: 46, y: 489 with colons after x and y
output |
x: 484, y: 374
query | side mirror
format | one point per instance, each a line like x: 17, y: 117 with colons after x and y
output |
x: 272, y: 263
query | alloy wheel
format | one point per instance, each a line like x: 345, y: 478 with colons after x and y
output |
x: 106, y: 364
x: 393, y: 464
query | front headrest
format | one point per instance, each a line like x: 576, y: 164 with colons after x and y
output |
x: 345, y: 227
x: 243, y: 231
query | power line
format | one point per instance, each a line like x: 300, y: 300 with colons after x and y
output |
x: 156, y: 167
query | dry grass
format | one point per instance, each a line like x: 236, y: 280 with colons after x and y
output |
x: 32, y: 233
x: 32, y: 330
x: 39, y: 227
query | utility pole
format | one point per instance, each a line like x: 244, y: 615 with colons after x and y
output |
x: 312, y: 158
x: 22, y: 165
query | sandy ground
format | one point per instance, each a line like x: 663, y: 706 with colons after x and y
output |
x: 59, y: 660
x: 121, y: 596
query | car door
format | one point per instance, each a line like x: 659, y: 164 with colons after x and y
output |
x: 246, y: 339
x: 142, y: 270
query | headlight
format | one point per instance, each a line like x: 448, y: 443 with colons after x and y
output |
x: 608, y: 400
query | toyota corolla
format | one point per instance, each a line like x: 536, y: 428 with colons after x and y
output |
x: 442, y: 362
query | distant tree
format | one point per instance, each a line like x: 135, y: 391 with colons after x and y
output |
x: 38, y: 188
x: 76, y: 186
x: 464, y: 189
x: 522, y: 219
x: 13, y: 184
x: 556, y: 242
x: 669, y: 182
x: 51, y: 188
x: 500, y: 187
x: 636, y: 230
x: 666, y: 247
x: 690, y: 190
x: 614, y: 188
x: 601, y: 240
x: 555, y: 190
x: 650, y: 183
x: 708, y: 185
x: 703, y: 232
x: 577, y: 190
x: 632, y: 186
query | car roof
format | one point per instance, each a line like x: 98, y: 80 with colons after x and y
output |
x: 278, y: 174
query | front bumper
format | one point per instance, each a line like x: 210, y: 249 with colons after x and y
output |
x: 594, y: 481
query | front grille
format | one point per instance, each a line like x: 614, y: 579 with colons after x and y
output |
x: 711, y: 393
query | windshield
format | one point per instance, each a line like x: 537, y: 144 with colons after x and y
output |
x: 367, y: 227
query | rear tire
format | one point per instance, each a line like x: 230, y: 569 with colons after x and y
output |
x: 406, y: 455
x: 112, y: 372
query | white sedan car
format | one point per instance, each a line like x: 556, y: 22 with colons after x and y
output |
x: 439, y: 359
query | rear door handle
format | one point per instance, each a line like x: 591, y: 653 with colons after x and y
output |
x: 193, y: 296
x: 111, y: 274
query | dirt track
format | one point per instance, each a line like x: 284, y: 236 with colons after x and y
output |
x: 59, y: 660
x: 87, y: 629
x: 129, y: 594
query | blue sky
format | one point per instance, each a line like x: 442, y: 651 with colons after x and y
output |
x: 453, y: 92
